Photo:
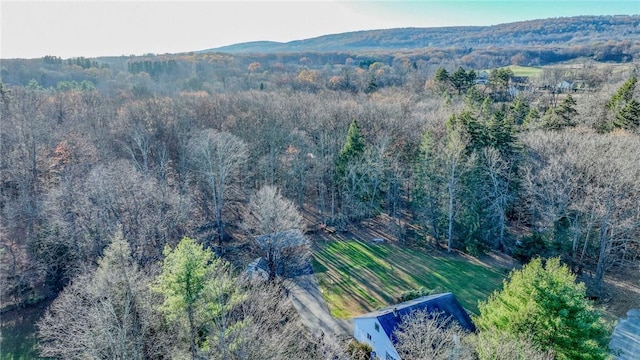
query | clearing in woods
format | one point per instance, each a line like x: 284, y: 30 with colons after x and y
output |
x: 356, y: 277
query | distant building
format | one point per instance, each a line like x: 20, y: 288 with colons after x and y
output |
x: 522, y: 80
x: 564, y: 86
x: 482, y: 78
x: 377, y: 328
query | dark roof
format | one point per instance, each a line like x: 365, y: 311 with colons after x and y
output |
x: 447, y: 304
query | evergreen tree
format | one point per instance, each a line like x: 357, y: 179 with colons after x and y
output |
x: 623, y: 109
x: 531, y: 119
x: 373, y: 85
x: 629, y: 116
x: 545, y: 302
x: 352, y: 150
x: 623, y: 95
x: 442, y: 75
x: 562, y: 116
x: 499, y: 81
x: 198, y: 291
x: 462, y: 80
x: 518, y: 110
x: 490, y: 184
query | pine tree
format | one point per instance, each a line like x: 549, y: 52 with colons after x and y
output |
x: 623, y: 108
x: 629, y: 116
x: 198, y: 291
x: 531, y: 119
x: 545, y: 302
x: 623, y: 95
x: 561, y: 117
x: 519, y: 110
x: 352, y: 150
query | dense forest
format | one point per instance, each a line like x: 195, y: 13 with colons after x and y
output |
x: 152, y: 166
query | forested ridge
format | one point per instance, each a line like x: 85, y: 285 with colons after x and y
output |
x: 582, y: 32
x: 199, y: 163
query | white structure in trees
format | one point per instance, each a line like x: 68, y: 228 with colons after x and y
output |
x: 377, y: 328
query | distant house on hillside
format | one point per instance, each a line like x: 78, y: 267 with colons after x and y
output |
x: 565, y: 86
x: 521, y: 80
x: 377, y: 328
x: 482, y: 78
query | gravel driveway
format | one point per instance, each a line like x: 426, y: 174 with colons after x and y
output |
x: 308, y: 300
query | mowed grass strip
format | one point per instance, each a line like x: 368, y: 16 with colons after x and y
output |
x: 357, y: 277
x: 525, y: 70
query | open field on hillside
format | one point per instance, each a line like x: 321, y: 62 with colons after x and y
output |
x: 356, y: 277
x: 525, y: 70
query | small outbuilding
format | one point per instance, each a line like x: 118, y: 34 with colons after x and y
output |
x: 377, y: 328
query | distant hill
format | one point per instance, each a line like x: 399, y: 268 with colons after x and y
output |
x: 558, y: 32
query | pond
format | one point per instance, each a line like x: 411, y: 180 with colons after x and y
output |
x: 17, y: 340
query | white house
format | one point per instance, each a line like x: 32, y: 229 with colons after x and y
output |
x: 377, y: 328
x: 564, y: 86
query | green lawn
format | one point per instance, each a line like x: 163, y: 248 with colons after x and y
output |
x: 357, y: 277
x: 525, y: 70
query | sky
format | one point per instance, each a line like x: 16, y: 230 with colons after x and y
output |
x: 89, y: 28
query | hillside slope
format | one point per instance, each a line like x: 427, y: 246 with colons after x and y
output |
x: 561, y: 32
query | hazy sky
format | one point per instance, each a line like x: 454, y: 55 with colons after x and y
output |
x: 96, y: 28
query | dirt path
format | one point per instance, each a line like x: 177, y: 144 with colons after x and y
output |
x: 308, y: 300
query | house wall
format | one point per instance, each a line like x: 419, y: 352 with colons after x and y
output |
x: 379, y: 342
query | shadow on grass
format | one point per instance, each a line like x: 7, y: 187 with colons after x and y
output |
x: 357, y: 277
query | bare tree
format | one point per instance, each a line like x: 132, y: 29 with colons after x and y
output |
x: 374, y: 171
x: 428, y: 187
x: 494, y: 345
x: 276, y: 225
x: 425, y: 335
x: 454, y: 167
x: 106, y: 313
x: 218, y: 158
x: 613, y: 195
x: 553, y: 185
x: 592, y: 181
x: 86, y: 213
x: 496, y: 192
x: 267, y: 326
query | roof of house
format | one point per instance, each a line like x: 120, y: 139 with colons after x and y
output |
x: 390, y: 317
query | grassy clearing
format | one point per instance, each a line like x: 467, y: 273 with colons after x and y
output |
x: 356, y: 277
x: 525, y: 70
